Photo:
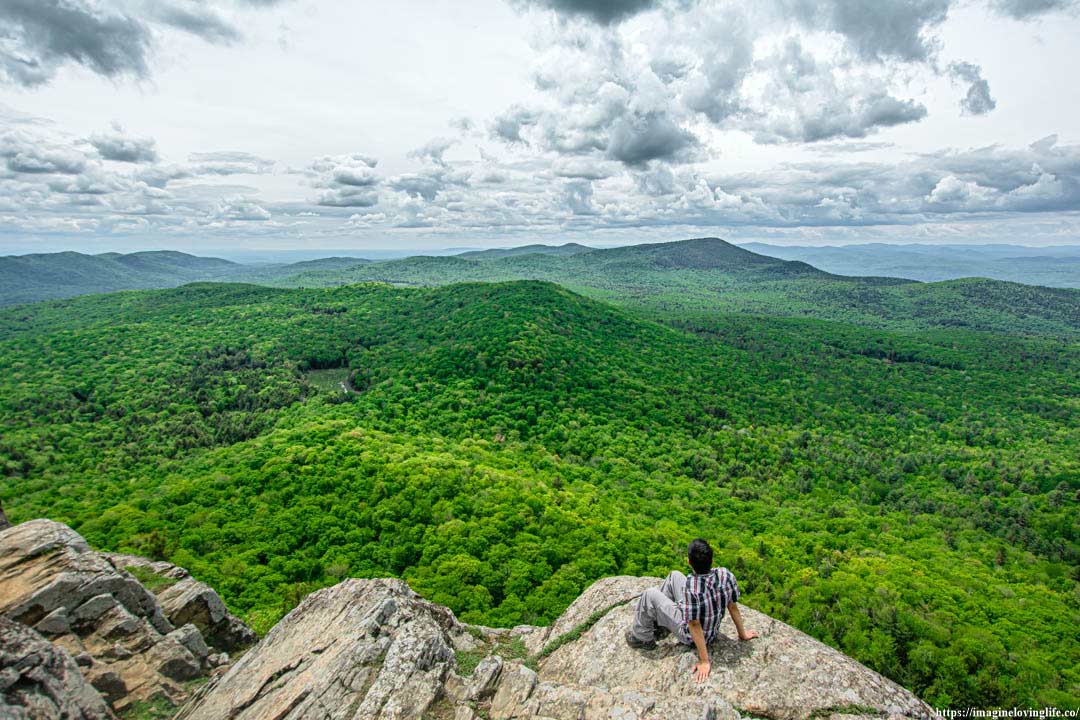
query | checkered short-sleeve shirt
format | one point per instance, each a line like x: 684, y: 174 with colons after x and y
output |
x: 706, y: 597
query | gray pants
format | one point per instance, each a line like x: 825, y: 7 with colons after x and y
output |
x: 662, y: 606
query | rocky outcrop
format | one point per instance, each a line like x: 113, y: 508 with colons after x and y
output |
x: 784, y: 674
x: 4, y: 522
x: 186, y: 600
x: 373, y: 648
x: 40, y: 681
x: 84, y: 603
x: 364, y: 648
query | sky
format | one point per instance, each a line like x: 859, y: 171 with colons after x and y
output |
x: 306, y: 124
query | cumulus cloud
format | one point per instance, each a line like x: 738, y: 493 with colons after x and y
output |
x: 195, y: 19
x: 433, y: 150
x: 429, y: 182
x: 638, y: 92
x: 346, y: 181
x: 800, y: 100
x: 582, y: 168
x: 977, y: 101
x: 577, y: 195
x: 509, y: 125
x: 1030, y: 9
x: 637, y: 139
x: 346, y: 197
x: 113, y: 39
x: 239, y: 209
x: 40, y: 35
x: 27, y: 155
x: 885, y: 29
x: 117, y: 145
x: 229, y: 162
x: 604, y: 12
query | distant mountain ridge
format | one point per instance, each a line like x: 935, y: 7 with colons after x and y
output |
x: 697, y: 277
x: 561, y: 250
x: 1050, y: 266
x: 51, y: 276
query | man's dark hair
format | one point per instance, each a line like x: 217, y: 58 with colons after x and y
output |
x: 700, y: 555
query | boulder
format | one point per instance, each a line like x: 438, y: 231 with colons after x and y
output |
x: 45, y: 565
x: 783, y: 674
x: 4, y: 522
x: 127, y: 648
x: 361, y: 649
x: 39, y: 681
x: 187, y: 600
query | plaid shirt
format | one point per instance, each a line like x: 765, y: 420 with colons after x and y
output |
x: 705, y: 599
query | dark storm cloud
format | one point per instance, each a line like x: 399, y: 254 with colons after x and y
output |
x: 1028, y: 9
x: 121, y: 147
x: 637, y: 139
x: 977, y: 101
x: 43, y: 34
x: 604, y: 12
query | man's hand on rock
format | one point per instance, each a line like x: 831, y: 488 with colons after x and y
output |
x: 701, y: 671
x: 748, y: 635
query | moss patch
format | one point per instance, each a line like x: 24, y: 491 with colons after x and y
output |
x: 150, y: 579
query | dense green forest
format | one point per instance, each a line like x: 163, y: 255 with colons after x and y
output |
x: 909, y: 498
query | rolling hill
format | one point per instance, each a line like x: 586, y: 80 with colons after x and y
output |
x: 30, y: 278
x: 558, y: 250
x: 709, y: 275
x: 702, y: 276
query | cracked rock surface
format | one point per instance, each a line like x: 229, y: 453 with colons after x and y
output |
x: 41, y: 680
x: 185, y: 600
x: 783, y: 674
x: 86, y: 604
x: 361, y: 649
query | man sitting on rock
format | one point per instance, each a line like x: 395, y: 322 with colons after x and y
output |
x: 691, y: 607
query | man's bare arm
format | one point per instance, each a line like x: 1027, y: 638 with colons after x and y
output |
x: 702, y: 668
x: 736, y: 617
